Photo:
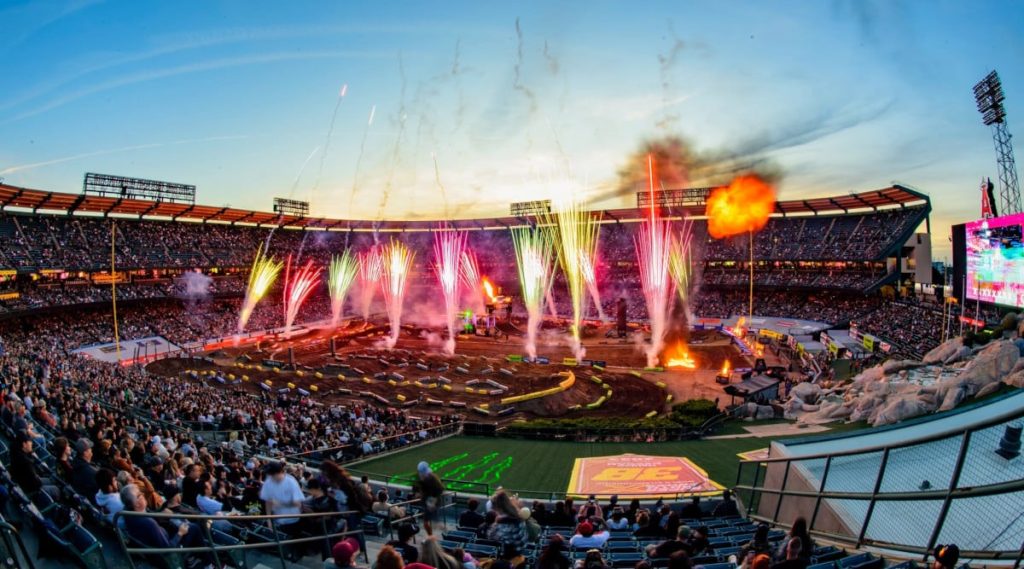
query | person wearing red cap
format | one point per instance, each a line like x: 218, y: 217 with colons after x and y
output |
x: 344, y: 553
x: 588, y: 537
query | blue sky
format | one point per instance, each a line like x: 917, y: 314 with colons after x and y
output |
x: 237, y: 97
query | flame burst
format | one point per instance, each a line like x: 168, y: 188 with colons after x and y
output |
x: 339, y: 279
x: 449, y: 247
x: 371, y: 267
x: 397, y: 263
x: 471, y: 278
x: 680, y: 358
x: 488, y: 289
x: 534, y: 261
x: 726, y: 369
x: 262, y: 275
x: 576, y: 232
x: 297, y: 288
x: 743, y: 206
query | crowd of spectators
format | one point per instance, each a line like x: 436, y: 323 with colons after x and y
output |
x: 914, y: 328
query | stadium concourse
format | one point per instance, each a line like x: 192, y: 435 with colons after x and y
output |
x: 105, y: 464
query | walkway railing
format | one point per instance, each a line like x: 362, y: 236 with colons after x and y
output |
x: 905, y: 497
x: 258, y: 533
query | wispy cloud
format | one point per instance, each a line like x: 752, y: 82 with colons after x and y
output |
x: 185, y: 69
x: 34, y: 165
x: 24, y: 21
x: 170, y: 44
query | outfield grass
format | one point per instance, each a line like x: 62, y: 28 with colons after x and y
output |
x: 482, y: 463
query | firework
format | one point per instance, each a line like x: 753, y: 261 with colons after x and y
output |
x: 449, y: 248
x: 397, y: 262
x: 471, y: 278
x: 371, y: 266
x: 679, y: 262
x: 534, y: 260
x: 339, y: 278
x: 297, y: 288
x: 262, y: 275
x: 587, y: 264
x: 576, y: 231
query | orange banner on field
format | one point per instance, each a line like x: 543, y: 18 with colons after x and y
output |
x: 633, y: 475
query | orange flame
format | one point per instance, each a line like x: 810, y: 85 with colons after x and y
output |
x: 744, y: 205
x: 726, y: 369
x: 680, y: 358
x: 489, y: 289
x: 739, y: 330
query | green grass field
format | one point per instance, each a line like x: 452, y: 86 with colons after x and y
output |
x: 544, y: 467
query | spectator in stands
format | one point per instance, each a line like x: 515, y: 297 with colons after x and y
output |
x: 343, y: 554
x: 588, y: 536
x: 692, y: 511
x: 699, y: 543
x: 552, y: 556
x: 946, y: 556
x: 318, y: 501
x: 282, y: 496
x: 108, y: 498
x: 760, y: 561
x: 618, y: 521
x: 795, y: 558
x: 532, y: 526
x: 430, y: 489
x: 23, y: 468
x: 559, y: 517
x: 681, y: 542
x: 467, y: 560
x: 191, y: 487
x: 540, y: 513
x: 389, y: 558
x: 385, y: 509
x: 208, y: 504
x: 145, y: 530
x: 403, y: 544
x: 471, y: 518
x: 590, y: 509
x: 508, y: 528
x: 62, y: 454
x: 647, y: 527
x: 593, y: 560
x: 433, y: 555
x: 679, y: 560
x: 83, y: 475
x: 727, y: 507
x: 796, y: 533
x: 758, y: 544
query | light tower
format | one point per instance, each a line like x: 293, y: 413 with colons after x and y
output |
x: 989, y: 95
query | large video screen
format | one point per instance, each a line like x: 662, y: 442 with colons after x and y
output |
x: 995, y: 260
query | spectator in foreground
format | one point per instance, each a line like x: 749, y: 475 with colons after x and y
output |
x: 794, y: 556
x: 471, y: 518
x: 666, y: 548
x: 431, y: 554
x: 403, y: 544
x: 679, y: 560
x: 593, y: 560
x: 108, y: 498
x: 388, y: 558
x: 552, y: 557
x: 727, y: 507
x: 147, y: 532
x: 23, y: 468
x: 946, y: 556
x: 508, y: 528
x: 692, y: 511
x: 797, y: 533
x: 343, y: 554
x: 588, y: 537
x: 430, y: 490
x: 83, y: 475
x: 282, y: 496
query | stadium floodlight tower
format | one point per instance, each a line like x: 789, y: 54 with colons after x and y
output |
x: 989, y: 95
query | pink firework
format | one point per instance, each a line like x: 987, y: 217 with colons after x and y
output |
x: 653, y: 247
x: 472, y: 279
x: 449, y: 247
x: 297, y: 288
x: 371, y: 267
x: 397, y: 264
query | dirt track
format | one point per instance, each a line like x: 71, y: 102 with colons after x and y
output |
x: 412, y: 372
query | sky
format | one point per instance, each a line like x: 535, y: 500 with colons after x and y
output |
x: 477, y: 104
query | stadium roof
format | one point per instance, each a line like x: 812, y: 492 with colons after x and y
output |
x: 66, y: 203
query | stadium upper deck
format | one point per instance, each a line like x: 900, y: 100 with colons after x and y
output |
x: 52, y: 230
